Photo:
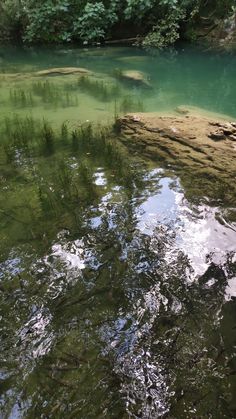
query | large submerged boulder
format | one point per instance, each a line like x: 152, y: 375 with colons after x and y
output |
x: 134, y: 76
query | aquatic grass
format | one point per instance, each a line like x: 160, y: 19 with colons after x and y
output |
x: 47, y: 91
x: 17, y: 135
x: 64, y: 132
x: 88, y: 190
x: 25, y: 136
x: 54, y: 191
x: 66, y: 188
x: 29, y: 134
x: 117, y: 123
x: 131, y: 104
x: 52, y: 95
x: 69, y: 100
x: 47, y: 201
x: 101, y: 142
x: 47, y: 137
x: 65, y: 177
x: 18, y: 130
x: 99, y: 89
x: 93, y: 139
x: 117, y: 73
x: 20, y: 98
x: 82, y: 137
x: 10, y: 152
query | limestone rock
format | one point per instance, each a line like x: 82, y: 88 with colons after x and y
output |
x: 63, y: 71
x: 217, y: 135
x: 182, y: 110
x: 135, y: 76
x: 188, y: 141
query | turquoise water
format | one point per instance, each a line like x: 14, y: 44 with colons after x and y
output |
x: 184, y: 77
x: 117, y: 285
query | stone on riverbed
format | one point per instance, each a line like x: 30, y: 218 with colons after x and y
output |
x: 134, y: 76
x: 182, y: 110
x: 63, y: 71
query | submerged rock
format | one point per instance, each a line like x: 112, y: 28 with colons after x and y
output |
x: 63, y: 71
x: 14, y: 76
x: 182, y: 110
x: 217, y: 135
x: 134, y: 76
x: 133, y: 58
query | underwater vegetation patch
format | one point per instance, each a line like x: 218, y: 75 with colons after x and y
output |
x: 52, y: 95
x: 28, y: 136
x: 100, y: 90
x: 131, y: 104
x: 54, y: 173
x: 21, y: 98
x: 17, y: 135
x: 25, y: 136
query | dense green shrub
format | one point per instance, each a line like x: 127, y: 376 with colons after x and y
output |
x: 11, y: 18
x: 95, y: 21
x: 167, y: 30
x: 49, y: 20
x: 92, y: 21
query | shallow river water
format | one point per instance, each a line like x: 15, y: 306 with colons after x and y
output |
x: 117, y: 284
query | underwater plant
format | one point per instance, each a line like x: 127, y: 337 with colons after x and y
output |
x: 102, y: 91
x: 52, y: 95
x: 129, y: 104
x: 21, y: 98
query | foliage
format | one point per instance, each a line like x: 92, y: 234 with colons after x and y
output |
x: 166, y: 32
x: 48, y: 20
x: 11, y: 18
x: 161, y: 21
x: 94, y: 21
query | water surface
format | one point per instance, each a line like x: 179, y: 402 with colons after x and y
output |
x: 117, y: 285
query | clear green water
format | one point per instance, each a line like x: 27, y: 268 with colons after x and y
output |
x: 117, y: 290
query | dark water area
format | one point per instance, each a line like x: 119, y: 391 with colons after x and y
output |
x: 117, y: 286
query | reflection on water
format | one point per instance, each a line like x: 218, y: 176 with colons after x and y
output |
x: 197, y: 230
x: 117, y: 293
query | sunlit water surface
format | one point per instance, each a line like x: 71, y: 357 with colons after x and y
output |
x: 117, y: 292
